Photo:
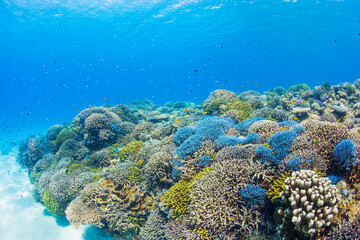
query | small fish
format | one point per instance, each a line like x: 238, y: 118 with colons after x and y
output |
x: 358, y: 131
x: 295, y: 118
x: 152, y: 219
x: 66, y: 166
x: 177, y: 120
x: 88, y: 182
x: 338, y: 121
x: 212, y: 98
x: 186, y: 110
x: 115, y: 149
x: 162, y: 198
x: 141, y: 161
x: 304, y: 101
x: 188, y: 157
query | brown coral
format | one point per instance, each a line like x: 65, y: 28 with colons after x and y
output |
x: 122, y: 207
x: 265, y: 129
x: 215, y: 203
x: 324, y: 136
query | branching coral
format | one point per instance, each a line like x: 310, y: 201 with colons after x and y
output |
x: 128, y: 150
x: 154, y: 227
x: 345, y: 154
x: 216, y: 205
x: 265, y: 129
x: 55, y: 207
x: 31, y: 150
x: 177, y: 199
x: 324, y: 136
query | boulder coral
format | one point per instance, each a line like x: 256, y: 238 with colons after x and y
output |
x: 310, y: 203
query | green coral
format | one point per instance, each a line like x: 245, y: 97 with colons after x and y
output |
x: 129, y: 149
x: 302, y: 87
x: 73, y: 167
x: 96, y: 177
x: 244, y: 108
x: 178, y: 196
x: 135, y: 174
x: 350, y: 89
x: 215, y: 106
x: 64, y: 135
x: 54, y: 207
x: 277, y: 187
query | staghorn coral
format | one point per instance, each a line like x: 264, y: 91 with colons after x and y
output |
x: 179, y: 229
x: 58, y: 187
x: 310, y: 205
x: 235, y: 152
x: 78, y: 213
x: 215, y: 202
x: 345, y: 230
x: 77, y: 182
x: 157, y: 170
x: 324, y: 136
x: 154, y: 227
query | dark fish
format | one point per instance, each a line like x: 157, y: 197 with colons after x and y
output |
x: 195, y: 70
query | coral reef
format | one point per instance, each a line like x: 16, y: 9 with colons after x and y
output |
x: 281, y: 164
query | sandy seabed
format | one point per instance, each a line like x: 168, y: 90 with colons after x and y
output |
x: 21, y: 217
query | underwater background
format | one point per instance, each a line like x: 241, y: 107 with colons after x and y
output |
x: 61, y: 57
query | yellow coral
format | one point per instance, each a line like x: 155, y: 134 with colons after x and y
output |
x: 202, y: 233
x: 285, y: 128
x: 178, y: 199
x: 277, y: 187
x: 129, y: 149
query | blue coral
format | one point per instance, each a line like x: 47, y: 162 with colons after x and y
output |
x: 224, y: 141
x: 298, y: 129
x: 263, y: 154
x: 208, y: 128
x: 281, y: 143
x: 345, y: 154
x: 251, y: 138
x: 182, y: 134
x: 188, y: 147
x: 204, y: 161
x: 294, y: 163
x: 253, y: 195
x: 335, y: 179
x: 288, y: 123
x: 244, y: 126
x: 211, y: 128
